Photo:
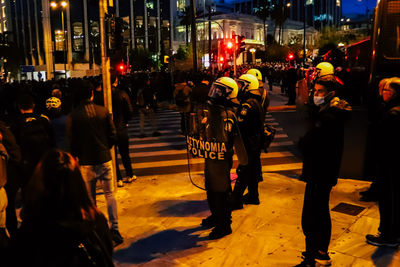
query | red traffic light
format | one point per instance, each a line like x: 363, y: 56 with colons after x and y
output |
x: 229, y: 44
x: 221, y: 59
x: 290, y: 56
x: 121, y: 67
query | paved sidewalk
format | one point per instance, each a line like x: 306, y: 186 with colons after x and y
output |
x: 160, y: 220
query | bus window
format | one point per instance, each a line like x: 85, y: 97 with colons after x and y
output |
x: 391, y: 30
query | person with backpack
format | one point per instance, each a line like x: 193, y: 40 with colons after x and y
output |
x: 34, y: 135
x: 61, y: 225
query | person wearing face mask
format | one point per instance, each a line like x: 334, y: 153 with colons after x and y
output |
x: 322, y: 148
x: 387, y: 144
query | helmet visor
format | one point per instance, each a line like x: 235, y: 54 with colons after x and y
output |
x: 242, y: 84
x: 219, y: 91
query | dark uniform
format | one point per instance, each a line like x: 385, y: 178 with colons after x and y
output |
x: 250, y: 119
x: 220, y: 126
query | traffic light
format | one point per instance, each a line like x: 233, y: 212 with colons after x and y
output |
x: 109, y: 21
x: 166, y: 59
x: 241, y: 47
x: 290, y: 56
x: 229, y: 45
x: 121, y: 67
x: 221, y: 59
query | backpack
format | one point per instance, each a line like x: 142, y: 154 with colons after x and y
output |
x: 90, y: 251
x: 34, y: 139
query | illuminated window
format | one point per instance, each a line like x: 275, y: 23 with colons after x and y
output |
x: 338, y: 3
x: 77, y: 38
x: 59, y: 37
x: 5, y: 25
x: 180, y: 5
x: 3, y: 1
x: 3, y: 11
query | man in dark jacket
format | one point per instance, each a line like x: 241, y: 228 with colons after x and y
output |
x: 322, y: 148
x: 387, y: 144
x: 90, y: 136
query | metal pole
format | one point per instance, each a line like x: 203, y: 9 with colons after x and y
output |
x: 158, y: 30
x: 105, y: 69
x: 234, y: 56
x: 47, y: 39
x: 304, y: 33
x: 146, y: 31
x: 193, y: 33
x: 132, y: 21
x: 65, y: 46
x: 209, y: 39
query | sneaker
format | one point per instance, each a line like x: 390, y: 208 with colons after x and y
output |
x: 208, y: 222
x: 380, y: 240
x: 130, y: 179
x: 322, y: 259
x: 156, y: 133
x: 247, y: 199
x: 116, y: 237
x: 120, y: 183
x: 308, y: 260
x: 218, y: 232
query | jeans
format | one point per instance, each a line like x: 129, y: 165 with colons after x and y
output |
x: 102, y: 172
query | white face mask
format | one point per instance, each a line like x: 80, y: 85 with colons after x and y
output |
x: 319, y: 100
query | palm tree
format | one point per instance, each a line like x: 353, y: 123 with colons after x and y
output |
x: 185, y: 20
x: 263, y: 11
x: 279, y: 16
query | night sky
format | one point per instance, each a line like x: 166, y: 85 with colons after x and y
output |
x: 357, y: 6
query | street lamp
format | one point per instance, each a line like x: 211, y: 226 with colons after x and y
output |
x: 253, y: 51
x: 63, y: 5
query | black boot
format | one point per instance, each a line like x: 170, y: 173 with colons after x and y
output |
x: 222, y: 216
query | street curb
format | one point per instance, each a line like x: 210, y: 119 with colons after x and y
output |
x: 282, y: 108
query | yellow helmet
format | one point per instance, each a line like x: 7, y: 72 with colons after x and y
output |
x: 248, y: 84
x: 324, y: 68
x: 256, y: 73
x: 224, y: 88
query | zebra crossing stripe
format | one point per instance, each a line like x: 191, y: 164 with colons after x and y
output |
x: 166, y: 154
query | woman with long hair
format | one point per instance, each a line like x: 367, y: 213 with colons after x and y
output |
x: 61, y: 226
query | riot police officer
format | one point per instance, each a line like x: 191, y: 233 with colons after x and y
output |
x: 221, y: 133
x: 250, y: 119
x: 263, y: 92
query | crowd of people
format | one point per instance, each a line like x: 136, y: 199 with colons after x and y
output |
x: 55, y: 141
